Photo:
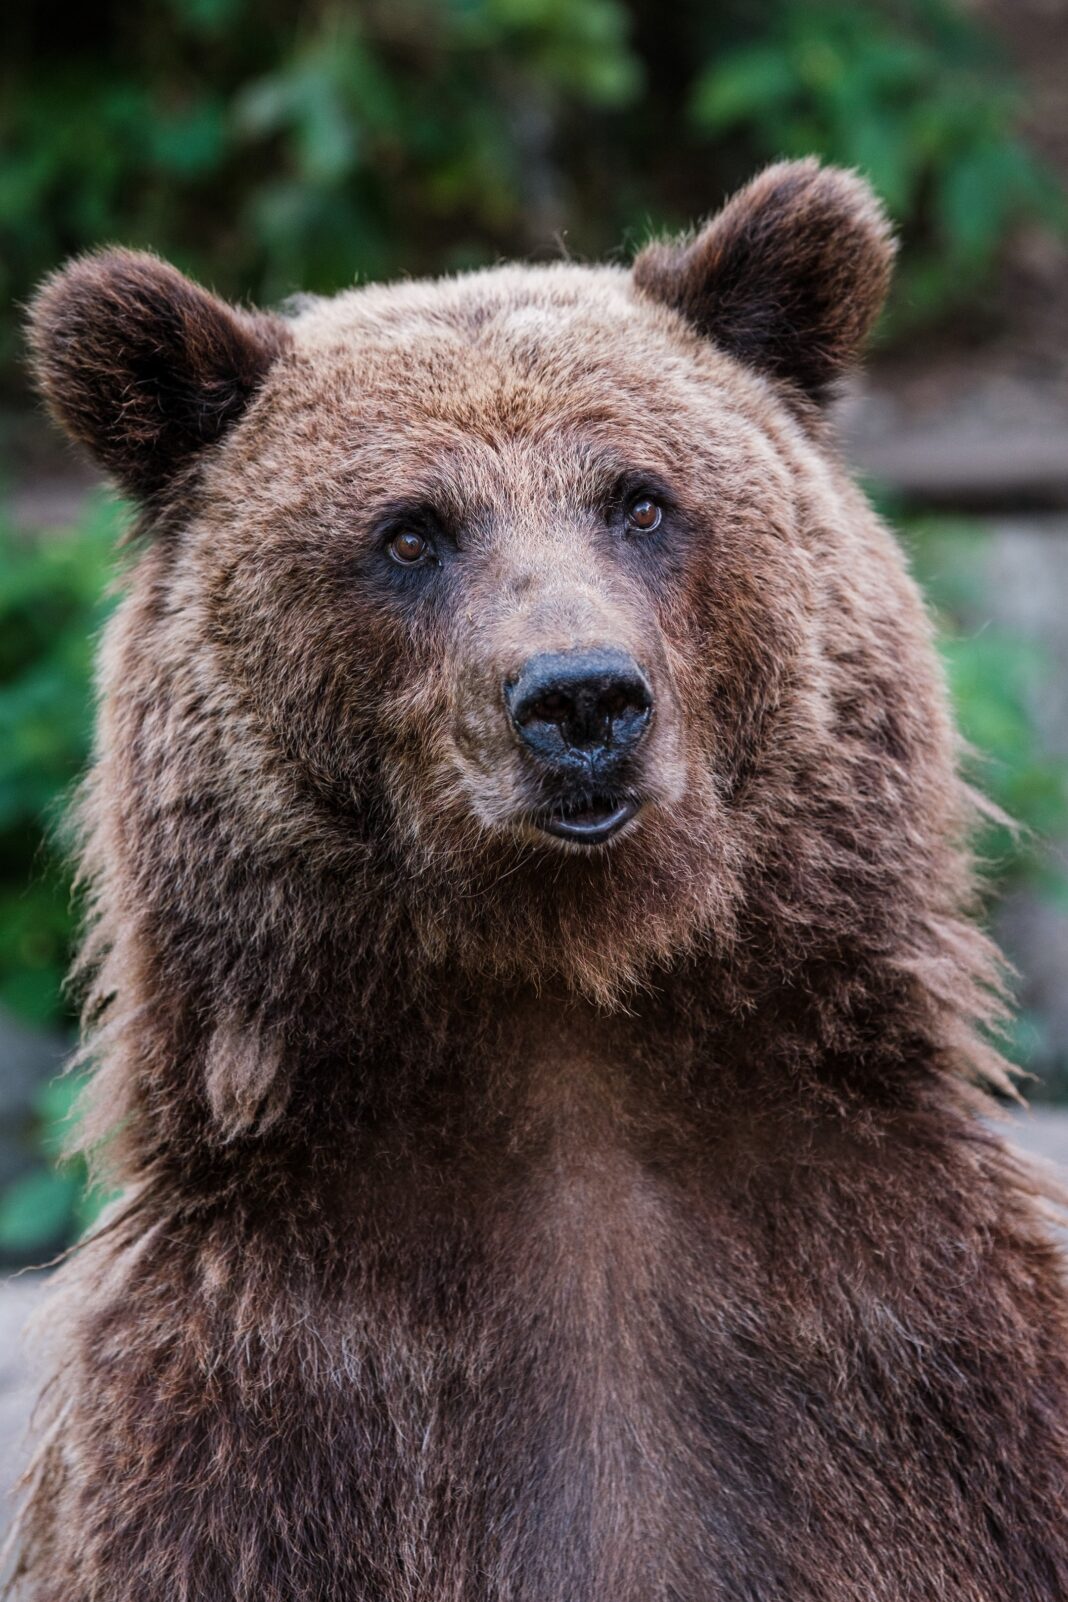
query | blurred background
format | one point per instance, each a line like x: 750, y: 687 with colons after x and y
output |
x: 269, y: 147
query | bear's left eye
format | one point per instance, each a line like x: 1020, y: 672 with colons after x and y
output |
x: 409, y: 548
x: 644, y: 514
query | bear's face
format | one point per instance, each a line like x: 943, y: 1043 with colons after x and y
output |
x: 537, y: 587
x: 522, y: 544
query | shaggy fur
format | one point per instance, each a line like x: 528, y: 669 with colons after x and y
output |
x: 503, y: 1220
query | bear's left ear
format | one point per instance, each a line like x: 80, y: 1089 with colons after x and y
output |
x: 788, y: 278
x: 143, y: 367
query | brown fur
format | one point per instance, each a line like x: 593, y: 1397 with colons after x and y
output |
x: 790, y: 276
x: 144, y: 367
x: 503, y: 1220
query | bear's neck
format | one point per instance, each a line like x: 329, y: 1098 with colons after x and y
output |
x: 454, y: 1093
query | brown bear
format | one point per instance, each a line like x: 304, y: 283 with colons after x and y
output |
x: 538, y: 1024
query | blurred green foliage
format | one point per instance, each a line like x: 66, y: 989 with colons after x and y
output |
x: 275, y: 147
x: 52, y: 1203
x: 52, y: 602
x: 915, y: 97
x: 995, y: 678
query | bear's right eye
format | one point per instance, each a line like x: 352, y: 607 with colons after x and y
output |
x: 644, y: 514
x: 409, y: 548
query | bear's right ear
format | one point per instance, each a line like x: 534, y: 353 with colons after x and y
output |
x: 143, y: 367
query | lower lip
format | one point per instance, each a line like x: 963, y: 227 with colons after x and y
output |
x: 594, y: 828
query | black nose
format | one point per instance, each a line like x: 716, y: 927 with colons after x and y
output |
x: 585, y: 708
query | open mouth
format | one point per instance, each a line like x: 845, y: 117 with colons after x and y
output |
x: 589, y: 822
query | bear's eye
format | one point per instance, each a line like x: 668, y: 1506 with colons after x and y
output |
x: 408, y: 548
x: 643, y: 514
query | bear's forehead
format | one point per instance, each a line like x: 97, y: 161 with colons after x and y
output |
x: 522, y: 347
x: 496, y: 304
x: 490, y: 372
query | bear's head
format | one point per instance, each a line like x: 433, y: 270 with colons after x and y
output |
x: 522, y: 623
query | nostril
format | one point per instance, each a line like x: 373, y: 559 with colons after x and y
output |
x: 554, y: 707
x: 619, y: 699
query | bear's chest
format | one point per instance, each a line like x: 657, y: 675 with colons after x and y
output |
x: 618, y: 1386
x: 587, y: 1399
x: 536, y: 1432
